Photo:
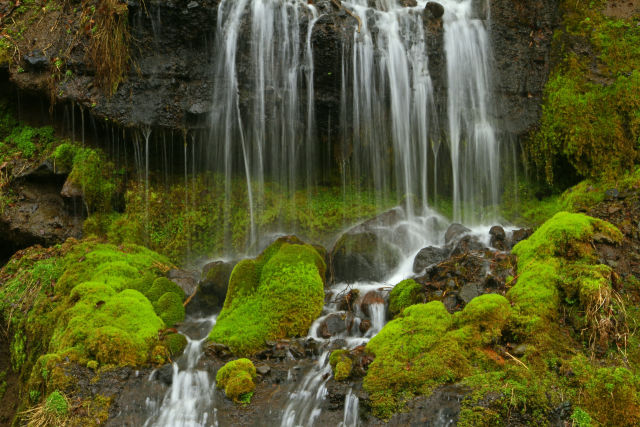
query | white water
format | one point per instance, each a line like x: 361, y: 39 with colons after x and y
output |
x: 263, y: 121
x: 189, y: 401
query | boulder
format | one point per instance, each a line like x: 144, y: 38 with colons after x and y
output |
x: 435, y: 10
x: 519, y: 235
x: 498, y: 238
x: 334, y: 324
x: 370, y: 298
x: 428, y: 256
x: 212, y: 289
x: 187, y: 280
x: 362, y: 255
x: 454, y: 232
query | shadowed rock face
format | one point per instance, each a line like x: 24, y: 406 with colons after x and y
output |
x: 171, y: 82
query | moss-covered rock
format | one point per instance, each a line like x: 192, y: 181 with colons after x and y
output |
x: 341, y: 363
x: 236, y: 379
x: 406, y: 293
x: 169, y: 308
x: 274, y: 296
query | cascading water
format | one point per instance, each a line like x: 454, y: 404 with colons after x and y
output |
x: 394, y: 128
x: 188, y: 403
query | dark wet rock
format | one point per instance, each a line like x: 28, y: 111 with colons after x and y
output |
x: 362, y: 254
x: 369, y: 299
x: 164, y: 374
x: 36, y: 60
x: 408, y: 3
x: 365, y: 325
x: 521, y: 36
x: 469, y: 292
x: 212, y: 289
x: 428, y: 256
x: 37, y: 213
x: 263, y: 369
x: 346, y: 301
x: 467, y: 244
x: 441, y: 408
x: 519, y: 235
x: 435, y: 10
x: 611, y: 194
x: 455, y: 232
x: 72, y: 190
x: 220, y: 351
x: 498, y: 238
x: 462, y: 277
x: 187, y: 280
x: 335, y: 324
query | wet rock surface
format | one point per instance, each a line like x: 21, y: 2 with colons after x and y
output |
x: 211, y: 290
x: 36, y: 212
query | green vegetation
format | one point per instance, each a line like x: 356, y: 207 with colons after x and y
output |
x: 562, y: 314
x: 591, y: 114
x: 180, y: 228
x: 529, y: 203
x: 83, y: 302
x: 341, y: 364
x: 53, y: 411
x: 236, y: 378
x: 277, y: 295
x: 91, y: 172
x: 406, y: 293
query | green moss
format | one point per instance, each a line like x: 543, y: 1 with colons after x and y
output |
x: 591, y: 113
x: 95, y: 175
x: 56, y: 403
x: 175, y: 343
x: 483, y: 318
x: 580, y: 418
x: 170, y: 309
x: 177, y: 227
x: 277, y: 295
x: 161, y: 286
x: 236, y: 379
x: 342, y: 364
x: 406, y: 293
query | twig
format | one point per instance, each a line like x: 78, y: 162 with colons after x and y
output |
x: 516, y: 359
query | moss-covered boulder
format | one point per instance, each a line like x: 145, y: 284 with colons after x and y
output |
x: 406, y: 293
x: 425, y: 346
x: 341, y: 364
x: 236, y: 379
x: 558, y: 266
x: 276, y: 295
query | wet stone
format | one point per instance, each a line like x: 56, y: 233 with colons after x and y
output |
x: 165, y: 374
x: 498, y: 238
x: 428, y: 256
x: 454, y: 232
x: 370, y: 298
x: 469, y: 292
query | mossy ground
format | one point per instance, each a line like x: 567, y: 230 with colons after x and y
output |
x: 236, y: 379
x: 276, y: 295
x: 183, y: 221
x: 83, y: 302
x: 562, y: 313
x: 406, y: 293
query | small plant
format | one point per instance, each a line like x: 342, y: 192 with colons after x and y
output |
x: 52, y: 412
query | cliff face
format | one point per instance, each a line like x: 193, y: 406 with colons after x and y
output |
x: 521, y: 34
x: 170, y: 83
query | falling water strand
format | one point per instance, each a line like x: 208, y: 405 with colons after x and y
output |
x: 351, y: 408
x: 304, y: 402
x: 190, y: 400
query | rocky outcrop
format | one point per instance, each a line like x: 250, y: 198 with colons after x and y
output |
x: 33, y: 211
x: 521, y: 35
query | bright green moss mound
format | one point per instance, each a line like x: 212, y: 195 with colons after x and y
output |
x: 57, y: 404
x: 341, y: 364
x: 276, y: 295
x: 170, y: 309
x: 236, y: 379
x: 559, y: 262
x: 406, y: 293
x: 425, y: 346
x: 73, y: 301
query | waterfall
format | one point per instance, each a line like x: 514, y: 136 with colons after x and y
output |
x: 189, y: 400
